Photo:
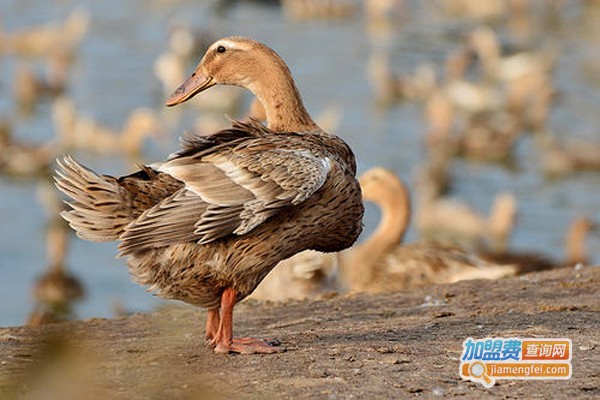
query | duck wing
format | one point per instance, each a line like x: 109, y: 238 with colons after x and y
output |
x: 229, y: 188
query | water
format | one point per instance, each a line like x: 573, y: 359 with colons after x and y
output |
x: 113, y: 74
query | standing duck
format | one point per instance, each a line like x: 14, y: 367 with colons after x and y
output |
x: 382, y: 263
x: 209, y: 223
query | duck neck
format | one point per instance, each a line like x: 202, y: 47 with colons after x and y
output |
x: 283, y: 104
x: 56, y: 246
x: 357, y: 264
x: 395, y: 215
x: 575, y: 243
x: 501, y: 221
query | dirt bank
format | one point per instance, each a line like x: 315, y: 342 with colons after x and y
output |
x: 400, y: 345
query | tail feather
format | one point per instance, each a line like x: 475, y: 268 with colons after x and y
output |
x: 99, y: 207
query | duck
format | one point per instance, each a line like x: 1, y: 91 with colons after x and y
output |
x: 384, y: 12
x: 504, y: 68
x: 47, y: 39
x: 390, y: 87
x: 561, y: 157
x: 56, y: 290
x: 85, y: 133
x: 488, y: 136
x: 452, y: 221
x: 30, y: 87
x: 206, y: 225
x: 433, y: 176
x: 186, y: 41
x: 481, y: 136
x: 480, y: 10
x: 318, y: 9
x: 382, y: 263
x: 574, y: 244
x: 20, y: 159
x: 575, y: 241
x: 529, y: 98
x: 306, y: 275
x: 523, y: 77
x: 170, y: 70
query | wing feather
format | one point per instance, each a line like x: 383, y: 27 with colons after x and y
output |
x: 229, y: 191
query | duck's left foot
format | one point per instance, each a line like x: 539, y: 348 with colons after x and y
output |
x: 250, y: 346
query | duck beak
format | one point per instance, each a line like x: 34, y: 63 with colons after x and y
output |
x: 191, y: 87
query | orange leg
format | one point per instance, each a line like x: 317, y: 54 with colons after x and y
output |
x: 212, y: 325
x: 224, y: 341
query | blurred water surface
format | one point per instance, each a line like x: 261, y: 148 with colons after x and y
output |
x: 113, y: 74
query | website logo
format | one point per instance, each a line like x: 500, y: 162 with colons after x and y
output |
x: 485, y: 360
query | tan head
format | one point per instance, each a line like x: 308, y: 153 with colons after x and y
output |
x: 247, y: 63
x: 384, y: 188
x: 381, y: 185
x: 231, y: 60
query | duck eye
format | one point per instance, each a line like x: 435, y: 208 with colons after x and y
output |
x: 221, y: 49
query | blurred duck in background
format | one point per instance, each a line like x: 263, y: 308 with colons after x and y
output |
x: 482, y: 136
x: 449, y: 220
x: 524, y: 77
x: 575, y: 250
x: 486, y: 11
x: 390, y: 87
x: 47, y: 39
x: 559, y: 157
x: 318, y: 9
x: 307, y: 275
x: 30, y: 87
x: 187, y: 42
x: 383, y: 263
x: 84, y: 133
x: 384, y: 11
x: 488, y: 137
x: 56, y: 290
x: 24, y: 160
x: 483, y: 119
x: 504, y: 68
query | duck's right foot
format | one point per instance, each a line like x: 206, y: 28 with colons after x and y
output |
x: 249, y: 346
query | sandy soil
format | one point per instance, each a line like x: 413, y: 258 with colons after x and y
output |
x: 400, y: 345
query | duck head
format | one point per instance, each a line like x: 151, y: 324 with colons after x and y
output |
x: 231, y: 60
x: 384, y: 188
x: 381, y: 185
x: 252, y: 65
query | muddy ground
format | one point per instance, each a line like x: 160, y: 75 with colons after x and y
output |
x: 400, y: 345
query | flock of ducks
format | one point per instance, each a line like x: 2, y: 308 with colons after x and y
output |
x: 210, y: 223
